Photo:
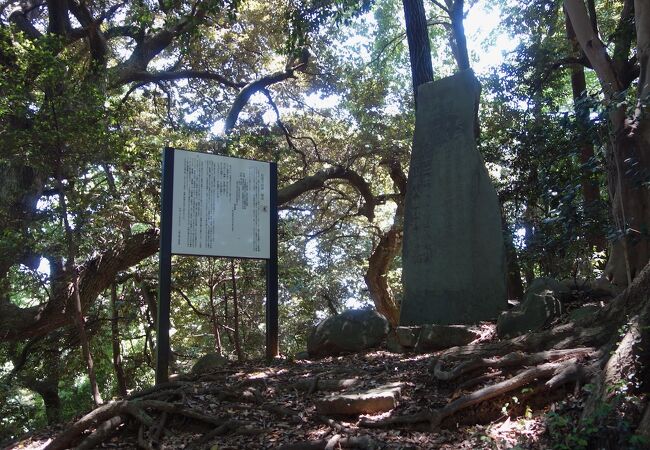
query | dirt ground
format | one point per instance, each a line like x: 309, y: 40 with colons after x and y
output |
x: 257, y: 406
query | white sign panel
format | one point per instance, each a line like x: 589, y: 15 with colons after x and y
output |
x: 221, y: 206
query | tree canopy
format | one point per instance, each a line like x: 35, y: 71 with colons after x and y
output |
x: 92, y: 91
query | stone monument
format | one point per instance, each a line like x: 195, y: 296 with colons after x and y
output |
x: 454, y: 267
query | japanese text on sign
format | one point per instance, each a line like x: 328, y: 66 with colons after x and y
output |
x: 221, y: 206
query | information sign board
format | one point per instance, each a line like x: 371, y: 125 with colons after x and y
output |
x: 221, y: 206
x: 214, y: 205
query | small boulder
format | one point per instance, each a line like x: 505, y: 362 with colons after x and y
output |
x: 353, y: 330
x: 301, y: 356
x: 209, y: 362
x: 373, y: 401
x: 438, y: 337
x: 393, y: 344
x: 600, y: 288
x: 408, y: 336
x: 584, y: 312
x: 542, y: 303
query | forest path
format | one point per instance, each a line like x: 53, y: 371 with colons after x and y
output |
x: 256, y: 406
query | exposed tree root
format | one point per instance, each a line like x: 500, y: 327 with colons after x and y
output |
x: 108, y: 419
x: 103, y: 432
x: 99, y: 416
x: 359, y: 442
x: 562, y: 355
x: 556, y: 373
x: 605, y: 352
x: 514, y: 359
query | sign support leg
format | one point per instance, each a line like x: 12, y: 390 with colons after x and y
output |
x: 272, y: 319
x: 165, y: 279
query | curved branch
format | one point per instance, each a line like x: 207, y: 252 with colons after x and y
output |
x: 19, y: 18
x: 96, y: 275
x: 593, y: 47
x: 254, y: 87
x: 151, y: 77
x: 316, y: 181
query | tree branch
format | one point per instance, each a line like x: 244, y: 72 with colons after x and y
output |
x: 316, y: 181
x: 252, y: 88
x: 95, y: 275
x: 593, y: 47
x: 152, y: 77
x: 19, y: 18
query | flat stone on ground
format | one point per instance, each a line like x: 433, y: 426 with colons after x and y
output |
x: 440, y: 337
x: 373, y: 401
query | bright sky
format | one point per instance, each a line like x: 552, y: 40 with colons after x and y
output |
x: 486, y: 51
x: 481, y: 20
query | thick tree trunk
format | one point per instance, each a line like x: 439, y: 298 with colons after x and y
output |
x: 417, y: 35
x: 47, y: 386
x: 628, y: 162
x: 628, y: 155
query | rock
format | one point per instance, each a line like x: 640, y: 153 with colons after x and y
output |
x: 301, y: 355
x: 542, y: 303
x: 350, y: 331
x: 316, y: 384
x: 408, y: 336
x: 544, y: 284
x: 373, y: 401
x: 454, y: 268
x: 584, y: 312
x: 393, y: 344
x: 601, y: 288
x: 209, y: 362
x: 439, y: 337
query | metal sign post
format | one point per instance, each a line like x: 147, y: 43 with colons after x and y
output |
x: 165, y: 270
x: 272, y: 346
x: 214, y: 205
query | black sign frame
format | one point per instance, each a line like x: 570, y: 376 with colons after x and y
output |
x: 165, y: 270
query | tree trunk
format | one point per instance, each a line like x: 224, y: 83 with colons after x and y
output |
x: 590, y: 188
x: 48, y: 384
x: 382, y: 256
x: 235, y: 307
x: 514, y: 286
x: 628, y: 155
x: 458, y: 39
x: 214, y: 320
x: 77, y: 311
x: 418, y: 41
x: 115, y: 338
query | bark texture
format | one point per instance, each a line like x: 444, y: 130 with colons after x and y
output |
x: 417, y: 35
x: 628, y: 155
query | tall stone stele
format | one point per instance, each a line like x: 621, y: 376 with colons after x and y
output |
x: 454, y: 269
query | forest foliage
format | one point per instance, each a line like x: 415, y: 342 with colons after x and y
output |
x: 91, y: 92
